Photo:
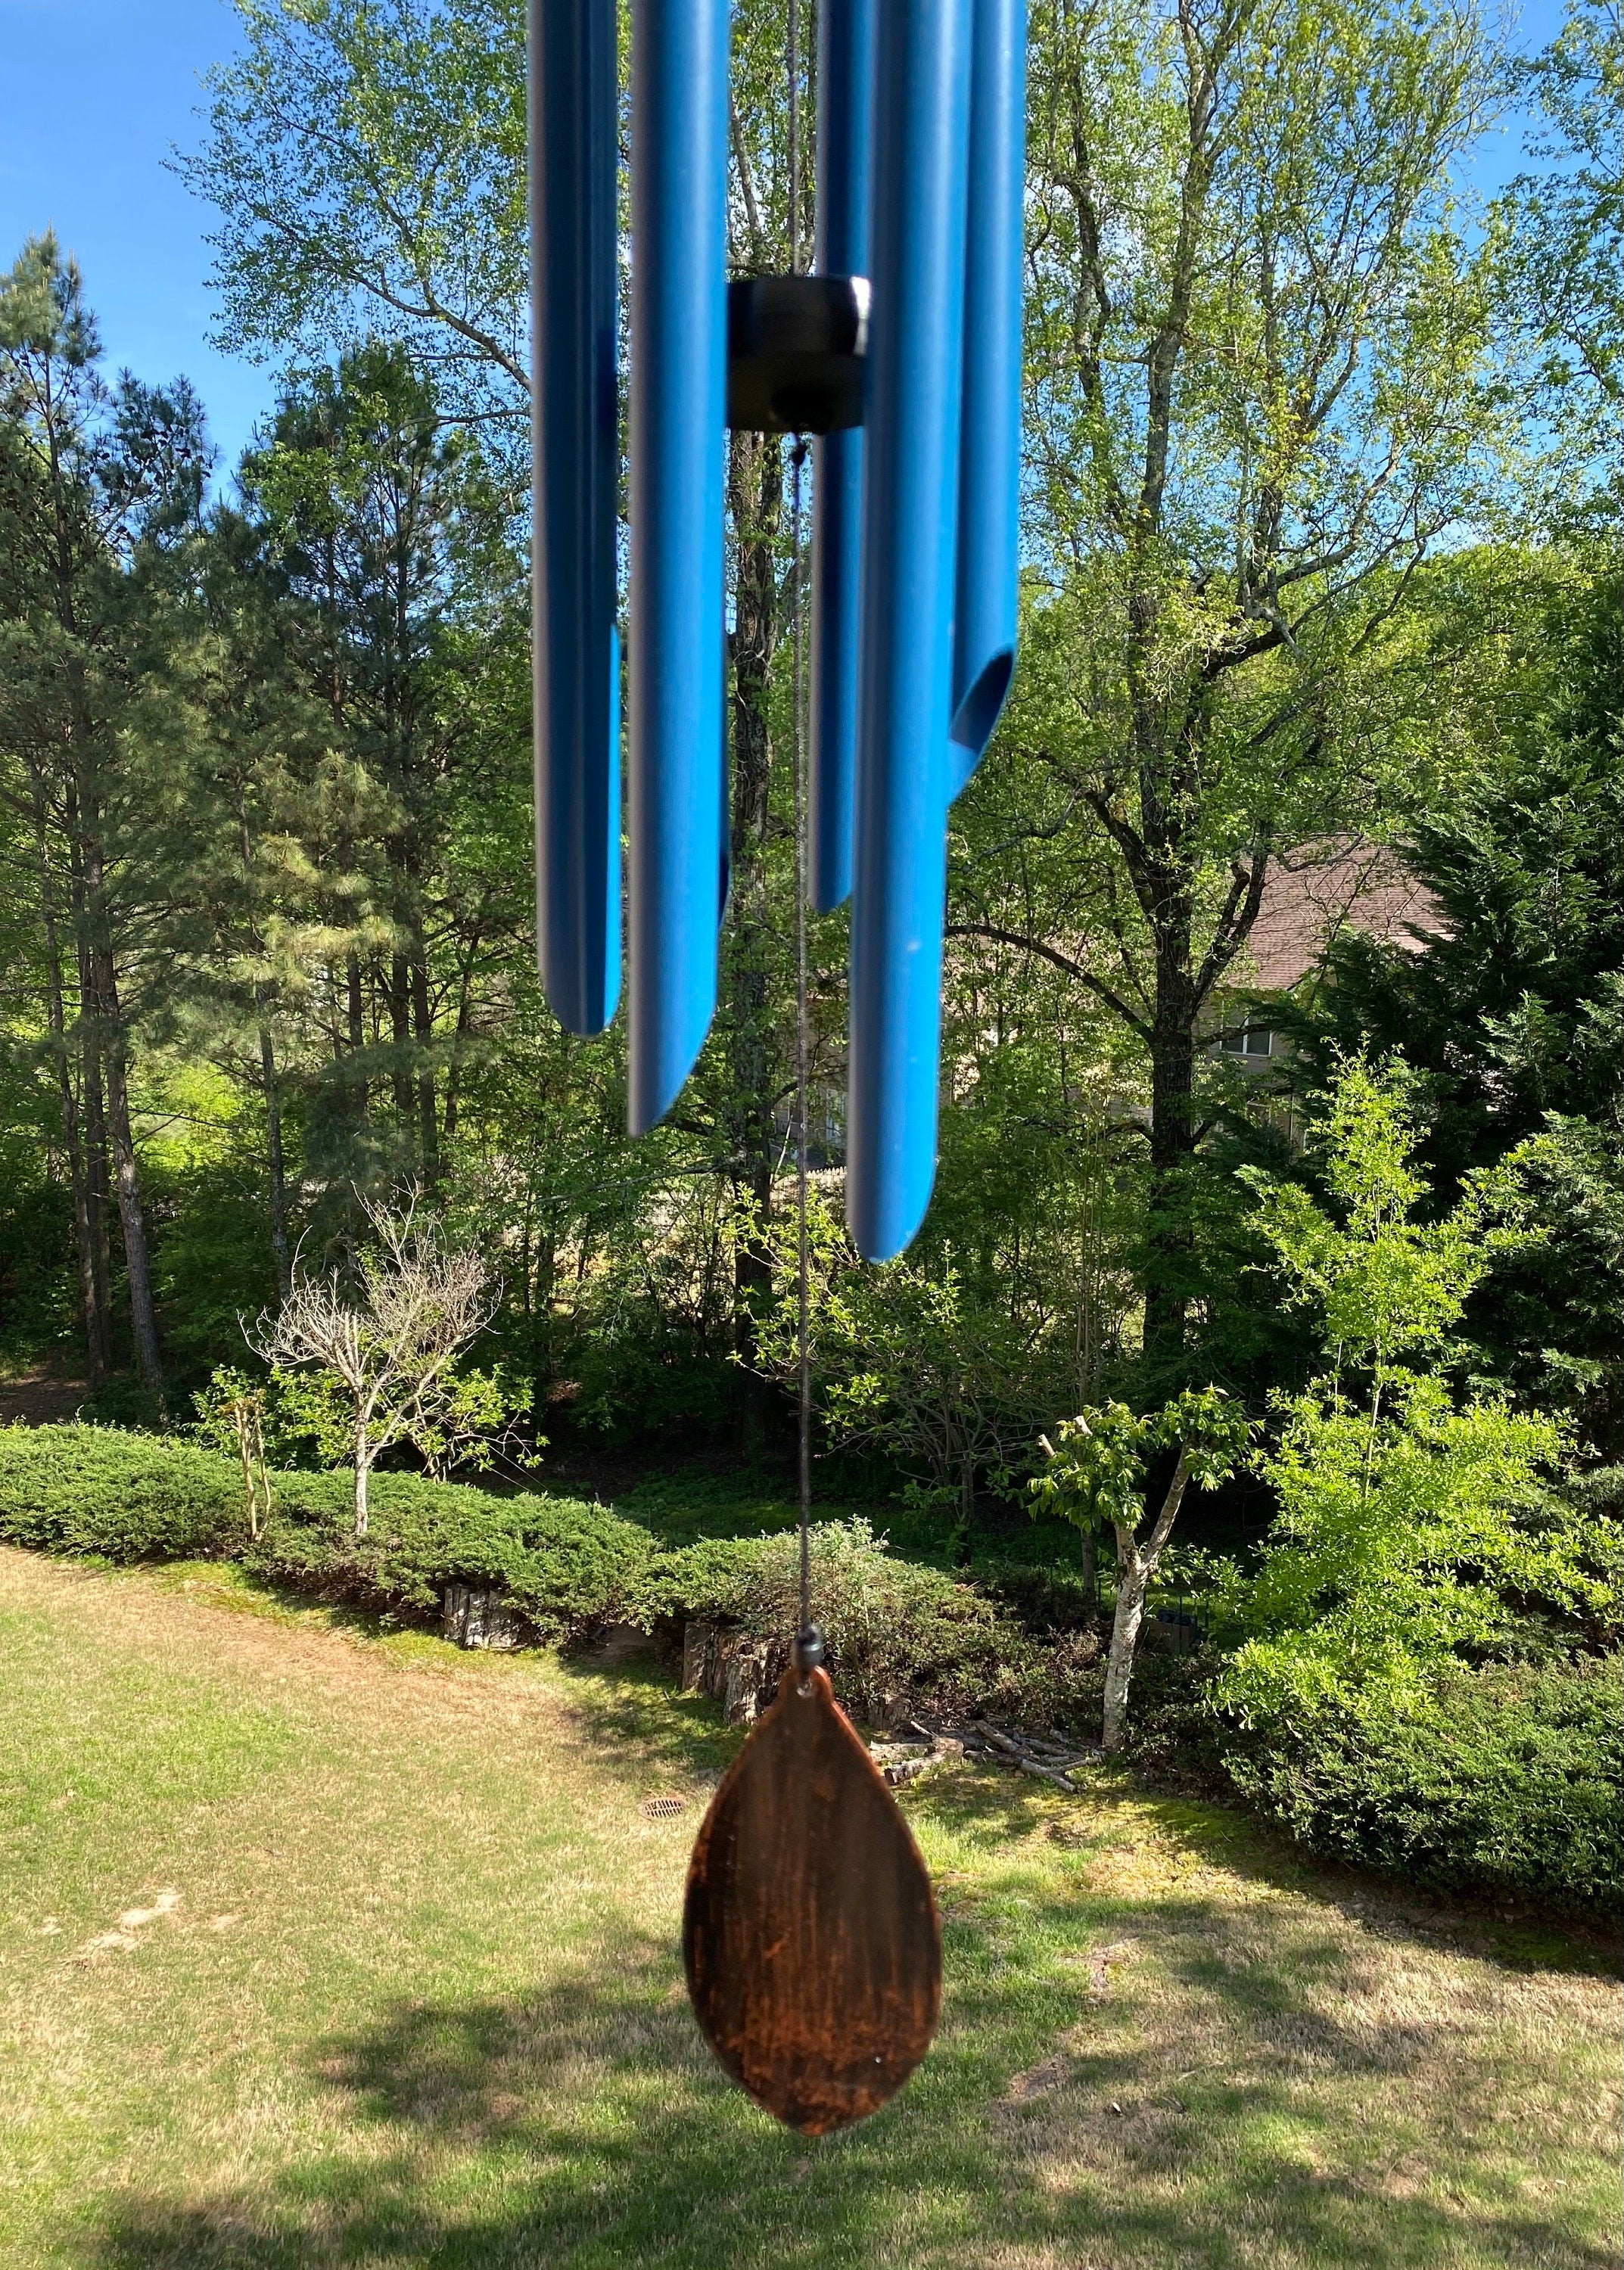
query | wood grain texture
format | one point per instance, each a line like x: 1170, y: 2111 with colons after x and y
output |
x: 809, y: 1933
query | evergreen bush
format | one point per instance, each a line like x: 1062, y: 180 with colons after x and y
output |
x: 565, y: 1565
x: 121, y: 1496
x: 1498, y: 1779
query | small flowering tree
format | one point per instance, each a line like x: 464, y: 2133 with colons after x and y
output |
x: 1095, y: 1474
x: 392, y: 1353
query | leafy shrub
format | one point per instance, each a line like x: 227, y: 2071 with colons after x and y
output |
x: 125, y: 1497
x: 564, y: 1565
x: 1413, y: 1530
x: 1495, y: 1779
x: 899, y: 1635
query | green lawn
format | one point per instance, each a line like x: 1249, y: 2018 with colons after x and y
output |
x: 395, y: 1984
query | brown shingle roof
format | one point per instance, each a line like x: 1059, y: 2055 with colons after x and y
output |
x: 1322, y: 888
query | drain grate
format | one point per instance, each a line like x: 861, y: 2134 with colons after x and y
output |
x: 662, y: 1808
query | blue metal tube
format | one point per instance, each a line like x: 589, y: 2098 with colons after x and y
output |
x: 845, y: 162
x: 910, y: 552
x: 576, y: 462
x: 989, y: 589
x: 680, y: 171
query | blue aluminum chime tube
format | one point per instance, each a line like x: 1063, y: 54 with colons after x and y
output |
x: 575, y: 456
x: 845, y: 161
x: 908, y: 573
x: 677, y: 804
x: 922, y: 137
x: 987, y: 606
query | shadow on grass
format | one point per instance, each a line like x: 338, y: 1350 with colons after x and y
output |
x: 637, y: 1723
x: 1237, y: 2119
x: 584, y: 2125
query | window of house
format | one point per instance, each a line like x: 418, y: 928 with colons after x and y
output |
x: 1256, y: 1040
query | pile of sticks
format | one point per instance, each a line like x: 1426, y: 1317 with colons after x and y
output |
x: 1051, y: 1756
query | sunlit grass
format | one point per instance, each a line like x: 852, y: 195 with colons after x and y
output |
x: 417, y: 2001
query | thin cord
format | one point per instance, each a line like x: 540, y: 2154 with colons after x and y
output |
x: 797, y: 460
x: 803, y: 1049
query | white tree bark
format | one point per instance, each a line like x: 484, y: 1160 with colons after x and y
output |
x: 363, y: 1467
x: 1136, y: 1565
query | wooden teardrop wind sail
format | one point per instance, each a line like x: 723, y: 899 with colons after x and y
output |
x: 813, y: 1954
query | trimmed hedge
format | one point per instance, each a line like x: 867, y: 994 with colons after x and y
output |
x: 121, y: 1496
x: 565, y: 1565
x: 1504, y: 1778
x: 901, y: 1636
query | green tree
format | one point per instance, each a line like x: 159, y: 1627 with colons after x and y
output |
x: 365, y: 159
x: 1415, y: 1525
x: 96, y: 484
x: 375, y: 517
x: 1256, y: 356
x: 1513, y: 1011
x: 367, y: 166
x: 1095, y: 1475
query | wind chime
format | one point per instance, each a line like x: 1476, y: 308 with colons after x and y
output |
x: 810, y: 1933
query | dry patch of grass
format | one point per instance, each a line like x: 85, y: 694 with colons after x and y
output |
x: 387, y: 1975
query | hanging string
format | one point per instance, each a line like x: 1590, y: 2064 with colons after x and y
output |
x: 798, y: 461
x: 802, y: 1042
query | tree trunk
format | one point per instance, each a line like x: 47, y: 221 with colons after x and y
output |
x: 132, y: 1219
x: 1136, y: 1565
x: 1132, y: 1580
x: 355, y: 1014
x: 97, y: 1351
x: 278, y: 1179
x: 98, y: 1188
x: 400, y: 1042
x: 363, y: 1466
x: 109, y: 1026
x: 1171, y: 1240
x: 98, y: 1181
x: 423, y: 1034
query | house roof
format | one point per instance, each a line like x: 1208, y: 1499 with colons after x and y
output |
x: 1320, y: 889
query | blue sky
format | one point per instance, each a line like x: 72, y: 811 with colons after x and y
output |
x: 93, y: 95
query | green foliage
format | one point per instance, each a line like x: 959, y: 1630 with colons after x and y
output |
x: 911, y: 1364
x: 899, y: 1635
x: 305, y: 1415
x: 1411, y: 1528
x: 1381, y: 1284
x: 1428, y: 1532
x: 1095, y: 1469
x: 1505, y: 1778
x: 565, y: 1565
x: 1512, y: 1014
x: 897, y: 1632
x: 122, y: 1496
x: 1562, y: 246
x: 36, y: 1262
